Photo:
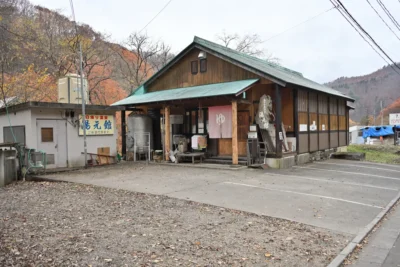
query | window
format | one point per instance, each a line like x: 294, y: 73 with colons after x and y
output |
x: 203, y: 65
x: 47, y: 135
x: 196, y: 121
x: 360, y: 133
x: 194, y: 67
x: 18, y: 131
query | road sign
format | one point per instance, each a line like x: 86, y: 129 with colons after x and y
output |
x: 394, y: 119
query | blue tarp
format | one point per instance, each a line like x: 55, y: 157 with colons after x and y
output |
x: 377, y: 131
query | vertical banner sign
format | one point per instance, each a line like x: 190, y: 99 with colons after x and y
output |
x: 97, y: 125
x: 394, y: 119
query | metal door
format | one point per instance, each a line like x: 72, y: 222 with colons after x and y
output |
x: 52, y: 139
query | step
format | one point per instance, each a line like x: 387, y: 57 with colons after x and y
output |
x: 224, y: 161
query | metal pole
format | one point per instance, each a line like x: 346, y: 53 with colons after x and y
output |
x: 82, y: 91
x: 83, y: 105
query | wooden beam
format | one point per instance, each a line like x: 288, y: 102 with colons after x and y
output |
x: 167, y: 135
x: 123, y: 134
x: 278, y: 120
x: 235, y: 145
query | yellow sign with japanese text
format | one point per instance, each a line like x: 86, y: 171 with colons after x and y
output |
x: 97, y: 125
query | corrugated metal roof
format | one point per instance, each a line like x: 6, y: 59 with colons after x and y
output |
x: 215, y: 89
x: 284, y: 74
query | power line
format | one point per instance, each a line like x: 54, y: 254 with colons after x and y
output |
x: 159, y: 12
x: 383, y: 19
x: 389, y: 14
x: 301, y: 23
x: 362, y: 36
x: 364, y: 32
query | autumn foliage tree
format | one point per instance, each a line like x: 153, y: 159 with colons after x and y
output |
x: 38, y: 46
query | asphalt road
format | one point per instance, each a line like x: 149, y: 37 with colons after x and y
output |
x: 339, y: 195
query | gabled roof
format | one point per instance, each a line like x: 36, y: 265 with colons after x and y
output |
x: 274, y: 72
x: 208, y: 90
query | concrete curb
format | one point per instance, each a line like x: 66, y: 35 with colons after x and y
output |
x: 362, y: 234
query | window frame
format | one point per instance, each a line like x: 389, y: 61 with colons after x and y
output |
x: 41, y: 135
x: 195, y: 64
x: 205, y: 65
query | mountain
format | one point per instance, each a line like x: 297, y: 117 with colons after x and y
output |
x: 369, y: 90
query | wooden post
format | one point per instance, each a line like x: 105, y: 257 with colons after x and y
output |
x: 278, y: 120
x: 308, y: 121
x: 329, y: 122
x: 123, y: 134
x: 235, y: 148
x: 318, y: 120
x: 167, y: 129
x: 296, y: 118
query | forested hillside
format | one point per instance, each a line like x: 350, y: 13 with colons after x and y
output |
x: 38, y: 46
x: 369, y: 90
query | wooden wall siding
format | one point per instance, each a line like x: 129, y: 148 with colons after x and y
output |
x: 333, y: 108
x: 218, y: 71
x: 334, y: 123
x: 225, y: 147
x: 342, y: 107
x: 342, y: 138
x: 303, y: 143
x: 342, y: 123
x: 302, y: 100
x: 313, y: 142
x: 313, y: 102
x: 323, y: 120
x: 287, y: 109
x: 303, y: 118
x: 322, y: 104
x: 323, y: 141
x: 313, y: 117
x: 334, y: 139
x: 243, y: 125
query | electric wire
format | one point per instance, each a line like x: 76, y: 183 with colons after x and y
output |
x: 353, y: 22
x: 301, y: 23
x: 159, y: 12
x: 389, y: 14
x: 383, y: 19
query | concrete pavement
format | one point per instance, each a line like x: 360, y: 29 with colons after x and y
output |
x: 383, y: 248
x: 339, y: 195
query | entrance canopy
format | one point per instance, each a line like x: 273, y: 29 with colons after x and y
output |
x: 208, y: 90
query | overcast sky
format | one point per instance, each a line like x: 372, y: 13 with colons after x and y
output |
x: 323, y: 49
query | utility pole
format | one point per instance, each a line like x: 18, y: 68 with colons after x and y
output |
x: 381, y: 113
x: 82, y: 90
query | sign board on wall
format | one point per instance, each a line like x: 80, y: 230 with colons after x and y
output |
x: 394, y: 119
x: 97, y: 125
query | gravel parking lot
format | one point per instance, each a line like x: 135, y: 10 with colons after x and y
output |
x: 66, y: 224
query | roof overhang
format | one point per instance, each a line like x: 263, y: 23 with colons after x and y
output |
x: 61, y: 106
x: 194, y: 92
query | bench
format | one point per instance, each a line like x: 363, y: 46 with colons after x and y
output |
x: 201, y: 155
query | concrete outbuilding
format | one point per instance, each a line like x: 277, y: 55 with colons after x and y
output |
x: 56, y: 129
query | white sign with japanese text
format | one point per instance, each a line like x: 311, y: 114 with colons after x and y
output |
x: 97, y: 125
x: 394, y: 119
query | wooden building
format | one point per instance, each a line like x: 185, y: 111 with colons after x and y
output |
x: 206, y: 75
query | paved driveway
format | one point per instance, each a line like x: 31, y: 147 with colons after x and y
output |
x: 339, y: 195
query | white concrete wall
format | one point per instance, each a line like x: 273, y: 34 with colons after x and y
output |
x: 29, y: 117
x: 20, y: 118
x: 74, y: 141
